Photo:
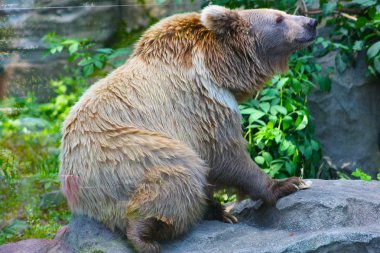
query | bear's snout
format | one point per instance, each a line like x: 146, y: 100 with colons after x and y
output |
x: 312, y: 23
x: 308, y: 31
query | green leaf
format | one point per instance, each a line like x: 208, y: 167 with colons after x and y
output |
x: 17, y: 227
x: 291, y: 150
x: 360, y: 174
x: 270, y: 125
x: 278, y: 108
x: 267, y: 98
x: 278, y: 136
x: 120, y: 52
x: 373, y: 50
x: 267, y: 156
x: 248, y: 110
x: 275, y: 168
x: 88, y: 70
x: 273, y: 119
x: 307, y: 152
x: 376, y: 64
x: 69, y: 42
x: 359, y: 45
x: 364, y: 3
x: 73, y: 48
x: 85, y: 62
x: 314, y: 145
x: 259, y: 160
x: 255, y: 116
x: 98, y: 64
x: 284, y: 145
x: 296, y: 85
x: 328, y: 8
x: 324, y: 83
x: 303, y: 123
x: 340, y: 63
x: 378, y: 176
x: 105, y: 50
x: 258, y: 123
x: 289, y: 167
x: 265, y: 106
x: 287, y: 122
x: 282, y: 82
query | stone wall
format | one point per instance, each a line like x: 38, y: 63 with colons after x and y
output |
x: 24, y: 22
x: 347, y: 119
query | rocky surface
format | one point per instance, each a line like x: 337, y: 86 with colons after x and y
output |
x: 347, y: 119
x: 331, y: 216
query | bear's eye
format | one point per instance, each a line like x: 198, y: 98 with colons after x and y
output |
x: 279, y: 19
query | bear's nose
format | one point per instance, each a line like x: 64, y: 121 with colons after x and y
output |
x: 312, y: 23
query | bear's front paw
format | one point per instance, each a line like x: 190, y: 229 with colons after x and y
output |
x: 284, y: 187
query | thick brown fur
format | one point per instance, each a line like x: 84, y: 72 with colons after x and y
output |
x: 143, y: 146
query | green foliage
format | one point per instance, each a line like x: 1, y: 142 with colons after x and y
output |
x: 30, y: 137
x: 355, y: 27
x: 360, y: 174
x: 225, y: 196
x: 278, y: 125
x: 84, y: 62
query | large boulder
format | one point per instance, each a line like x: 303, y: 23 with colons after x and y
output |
x: 347, y: 119
x: 332, y: 216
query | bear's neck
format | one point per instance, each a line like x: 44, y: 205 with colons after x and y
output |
x: 241, y: 71
x: 231, y: 63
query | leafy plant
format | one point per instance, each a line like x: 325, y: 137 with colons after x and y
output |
x: 363, y: 176
x: 278, y: 124
x: 88, y: 63
x: 360, y: 174
x: 355, y: 28
x: 30, y: 136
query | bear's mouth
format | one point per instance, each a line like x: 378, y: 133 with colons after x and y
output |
x: 305, y: 40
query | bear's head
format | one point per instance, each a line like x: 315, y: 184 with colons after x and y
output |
x: 266, y: 37
x: 272, y: 32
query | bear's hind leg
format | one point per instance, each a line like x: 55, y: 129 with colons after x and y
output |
x: 169, y: 200
x: 141, y: 234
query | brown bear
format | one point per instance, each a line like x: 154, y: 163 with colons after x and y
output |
x: 143, y: 148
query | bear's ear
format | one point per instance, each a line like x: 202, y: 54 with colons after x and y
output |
x: 221, y: 21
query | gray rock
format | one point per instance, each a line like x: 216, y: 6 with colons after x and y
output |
x: 30, y: 246
x: 331, y: 216
x: 347, y: 119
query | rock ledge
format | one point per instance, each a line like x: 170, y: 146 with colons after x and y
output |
x: 332, y: 216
